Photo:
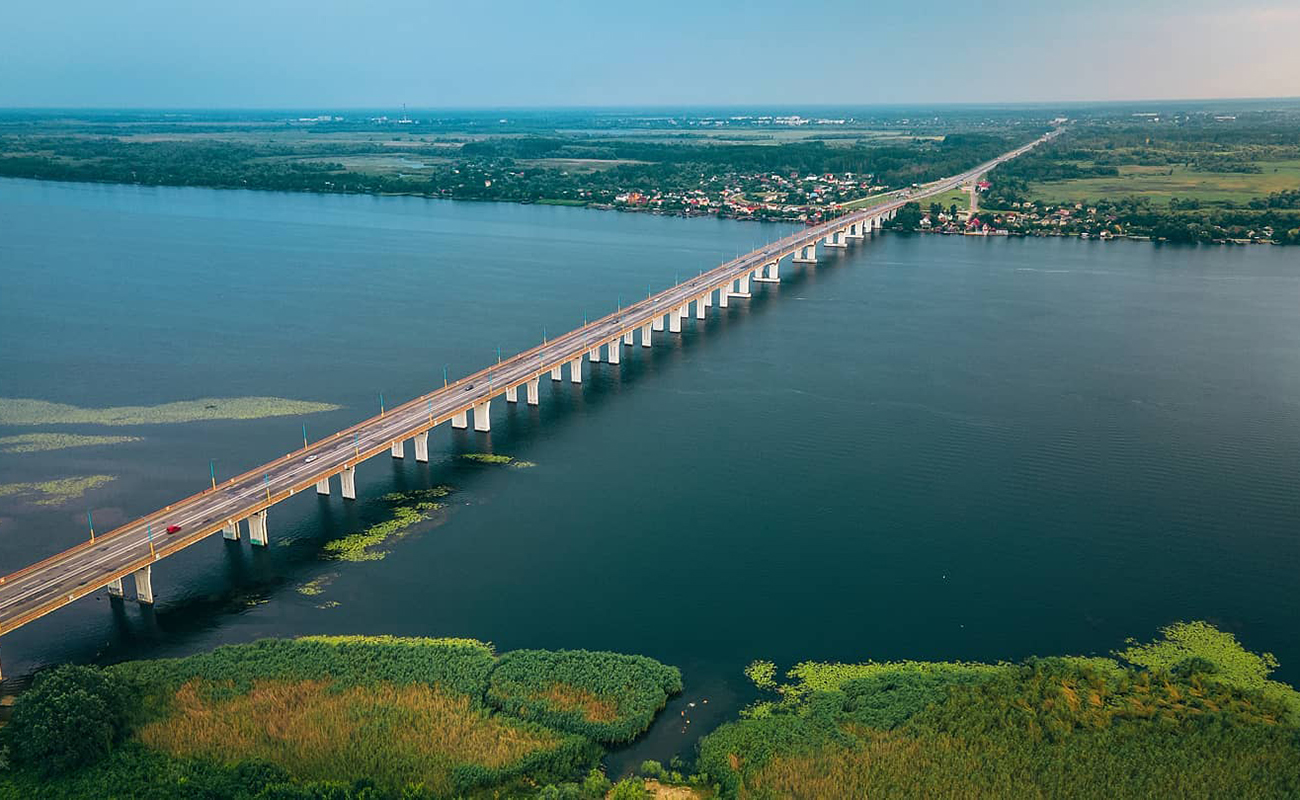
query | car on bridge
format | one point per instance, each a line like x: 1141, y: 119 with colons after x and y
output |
x: 173, y: 528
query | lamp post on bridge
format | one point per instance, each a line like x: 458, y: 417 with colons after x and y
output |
x: 212, y: 465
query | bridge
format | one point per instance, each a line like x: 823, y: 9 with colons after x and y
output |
x: 244, y: 501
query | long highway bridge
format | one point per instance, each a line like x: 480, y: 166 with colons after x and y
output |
x: 132, y: 549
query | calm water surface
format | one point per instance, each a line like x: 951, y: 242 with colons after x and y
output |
x: 931, y: 448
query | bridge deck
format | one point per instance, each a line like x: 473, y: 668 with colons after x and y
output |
x: 38, y: 589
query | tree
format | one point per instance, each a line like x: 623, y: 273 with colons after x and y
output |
x: 72, y: 716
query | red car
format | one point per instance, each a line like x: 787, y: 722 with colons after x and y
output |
x: 173, y: 528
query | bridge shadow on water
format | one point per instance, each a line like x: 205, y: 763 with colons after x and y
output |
x: 194, y: 598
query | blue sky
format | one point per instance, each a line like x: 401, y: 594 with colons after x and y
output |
x: 381, y: 53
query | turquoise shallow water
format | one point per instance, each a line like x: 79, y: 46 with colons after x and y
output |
x: 925, y: 447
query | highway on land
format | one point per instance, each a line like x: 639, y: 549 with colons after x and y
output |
x: 45, y: 586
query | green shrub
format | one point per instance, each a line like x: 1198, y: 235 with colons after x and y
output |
x: 71, y: 717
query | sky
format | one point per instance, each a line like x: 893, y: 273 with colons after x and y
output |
x: 329, y: 54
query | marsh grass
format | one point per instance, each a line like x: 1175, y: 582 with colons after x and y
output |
x: 394, y: 735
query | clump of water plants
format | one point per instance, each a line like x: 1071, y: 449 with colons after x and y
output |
x: 409, y: 509
x: 493, y: 458
x: 26, y: 411
x: 55, y: 492
x: 43, y: 442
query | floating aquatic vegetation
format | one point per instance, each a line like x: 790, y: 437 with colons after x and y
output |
x: 329, y: 604
x: 42, y: 442
x: 26, y: 411
x: 56, y: 492
x: 492, y: 458
x: 410, y: 509
x: 316, y: 586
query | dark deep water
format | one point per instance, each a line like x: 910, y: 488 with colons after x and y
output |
x: 926, y: 447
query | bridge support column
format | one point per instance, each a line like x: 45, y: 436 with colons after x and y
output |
x: 422, y: 447
x: 615, y: 351
x: 398, y: 449
x: 532, y: 392
x: 855, y: 230
x: 768, y: 273
x: 657, y: 323
x: 744, y: 286
x: 836, y: 239
x: 144, y: 585
x: 575, y: 370
x: 115, y: 587
x: 807, y: 254
x: 512, y: 394
x: 645, y: 335
x: 594, y: 354
x: 700, y: 307
x: 459, y: 421
x: 231, y: 531
x: 482, y: 422
x: 556, y: 374
x: 674, y: 321
x: 257, y: 529
x: 875, y: 223
x: 627, y: 338
x: 724, y: 292
x: 348, y: 479
x: 323, y: 486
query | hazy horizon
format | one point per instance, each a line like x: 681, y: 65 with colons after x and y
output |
x: 293, y: 54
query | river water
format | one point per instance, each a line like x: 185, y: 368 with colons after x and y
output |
x: 923, y: 447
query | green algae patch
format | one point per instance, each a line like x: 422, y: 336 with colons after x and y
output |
x: 56, y: 492
x: 409, y: 510
x: 492, y: 458
x: 25, y: 411
x: 44, y: 442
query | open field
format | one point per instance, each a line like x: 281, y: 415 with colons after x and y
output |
x: 1158, y: 184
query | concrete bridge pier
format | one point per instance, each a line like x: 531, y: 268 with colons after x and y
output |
x: 231, y: 531
x: 855, y: 230
x: 115, y: 587
x: 398, y: 449
x: 807, y: 254
x: 348, y: 479
x: 257, y: 529
x: 743, y: 291
x: 615, y: 351
x: 657, y: 324
x: 575, y: 370
x: 627, y: 338
x: 700, y: 307
x: 144, y: 585
x: 459, y: 421
x: 323, y: 486
x: 708, y: 299
x: 645, y: 335
x: 724, y: 292
x: 836, y: 239
x: 674, y: 321
x: 422, y: 447
x: 482, y: 422
x: 594, y: 354
x: 512, y: 394
x: 768, y: 273
x: 556, y: 374
x: 532, y: 392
